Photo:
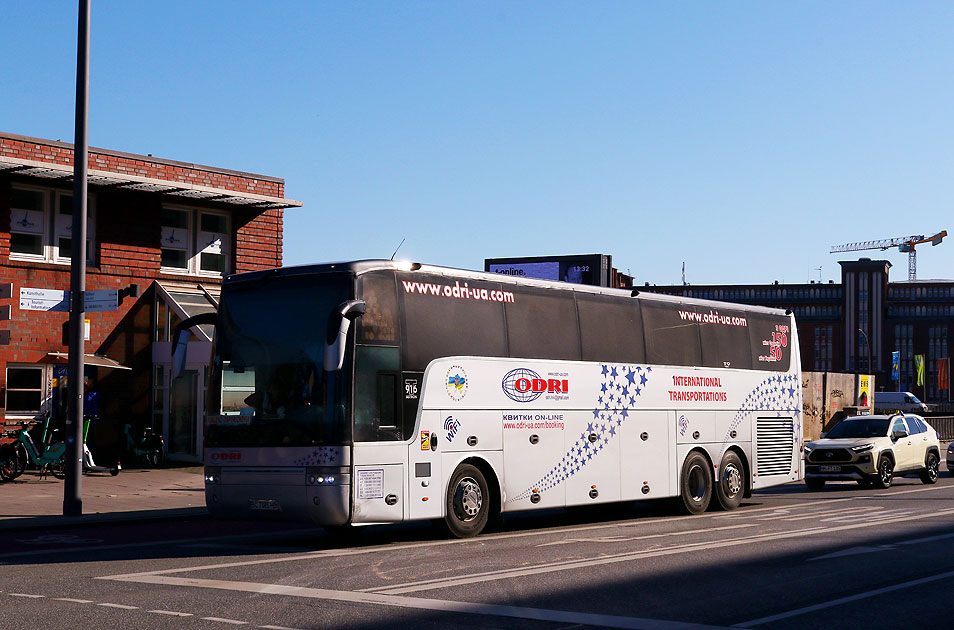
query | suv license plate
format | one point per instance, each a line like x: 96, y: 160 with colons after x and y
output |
x: 829, y: 469
x: 266, y: 505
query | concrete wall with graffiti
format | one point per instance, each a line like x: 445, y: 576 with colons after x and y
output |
x: 827, y: 397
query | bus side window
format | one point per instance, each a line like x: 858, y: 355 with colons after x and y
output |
x: 377, y: 415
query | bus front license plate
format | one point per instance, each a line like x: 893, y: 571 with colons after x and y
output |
x: 264, y: 505
x: 829, y: 469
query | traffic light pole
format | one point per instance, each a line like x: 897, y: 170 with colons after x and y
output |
x: 73, y: 488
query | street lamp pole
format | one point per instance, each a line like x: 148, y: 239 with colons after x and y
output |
x: 867, y: 343
x: 73, y: 487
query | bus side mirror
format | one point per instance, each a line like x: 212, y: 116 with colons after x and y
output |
x: 339, y: 321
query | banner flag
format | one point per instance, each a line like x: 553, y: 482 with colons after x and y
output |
x: 919, y: 368
x: 943, y: 376
x: 896, y: 365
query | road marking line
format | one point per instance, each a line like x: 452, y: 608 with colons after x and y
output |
x: 844, y: 600
x: 121, y: 606
x: 742, y: 513
x: 438, y: 605
x: 615, y: 539
x: 564, y: 565
x: 170, y: 612
x: 852, y: 510
x: 25, y: 595
x: 330, y: 553
x: 627, y: 556
x: 234, y: 622
x: 75, y: 601
x: 546, y: 568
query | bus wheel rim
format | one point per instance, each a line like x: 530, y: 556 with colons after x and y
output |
x: 732, y: 478
x: 468, y: 499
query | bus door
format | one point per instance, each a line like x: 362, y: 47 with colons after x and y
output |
x: 381, y: 437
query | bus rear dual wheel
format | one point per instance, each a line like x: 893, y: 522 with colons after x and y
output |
x: 697, y: 486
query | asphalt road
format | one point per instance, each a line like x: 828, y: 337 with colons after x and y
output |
x: 841, y: 558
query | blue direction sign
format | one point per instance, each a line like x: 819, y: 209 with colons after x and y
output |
x: 104, y: 300
x: 44, y: 300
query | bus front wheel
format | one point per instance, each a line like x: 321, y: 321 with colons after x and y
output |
x: 468, y: 502
x: 695, y: 483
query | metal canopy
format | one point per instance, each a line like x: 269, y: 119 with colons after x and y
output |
x: 64, y: 172
x: 91, y: 360
x: 188, y: 300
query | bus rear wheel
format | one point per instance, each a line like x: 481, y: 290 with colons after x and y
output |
x: 731, y: 483
x: 695, y: 484
x: 468, y: 502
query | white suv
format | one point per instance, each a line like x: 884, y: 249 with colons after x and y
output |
x: 872, y: 450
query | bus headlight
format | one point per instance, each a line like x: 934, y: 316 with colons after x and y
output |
x: 213, y: 475
x: 317, y: 476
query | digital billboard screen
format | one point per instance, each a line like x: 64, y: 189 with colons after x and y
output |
x: 591, y: 269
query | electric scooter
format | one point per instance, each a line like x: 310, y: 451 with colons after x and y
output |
x: 150, y: 448
x: 88, y: 464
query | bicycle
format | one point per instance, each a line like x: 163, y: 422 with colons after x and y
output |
x: 11, y: 464
x: 48, y: 459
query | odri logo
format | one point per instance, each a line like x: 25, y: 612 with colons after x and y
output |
x: 226, y: 457
x: 456, y: 383
x: 525, y: 385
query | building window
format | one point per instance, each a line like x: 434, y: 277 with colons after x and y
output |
x: 937, y: 349
x: 25, y: 390
x: 195, y: 242
x: 28, y: 223
x: 823, y: 348
x: 176, y: 237
x: 41, y: 226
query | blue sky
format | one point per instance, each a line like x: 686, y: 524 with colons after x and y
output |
x: 743, y: 138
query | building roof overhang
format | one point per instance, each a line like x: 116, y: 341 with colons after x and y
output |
x: 64, y: 172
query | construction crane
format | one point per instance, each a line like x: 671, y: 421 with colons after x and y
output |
x: 903, y: 243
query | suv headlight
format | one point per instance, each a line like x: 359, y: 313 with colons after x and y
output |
x: 808, y: 449
x: 863, y: 448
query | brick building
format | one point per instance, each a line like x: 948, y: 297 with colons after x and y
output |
x: 865, y: 317
x: 171, y: 228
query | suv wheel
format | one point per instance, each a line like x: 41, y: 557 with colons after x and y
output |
x: 931, y: 466
x: 885, y: 473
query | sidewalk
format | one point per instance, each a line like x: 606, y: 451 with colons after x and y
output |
x: 134, y: 494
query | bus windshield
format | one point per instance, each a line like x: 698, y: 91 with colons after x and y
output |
x: 268, y: 373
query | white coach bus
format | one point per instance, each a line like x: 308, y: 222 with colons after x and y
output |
x: 378, y: 391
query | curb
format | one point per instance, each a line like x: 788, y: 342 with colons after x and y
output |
x: 99, y: 518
